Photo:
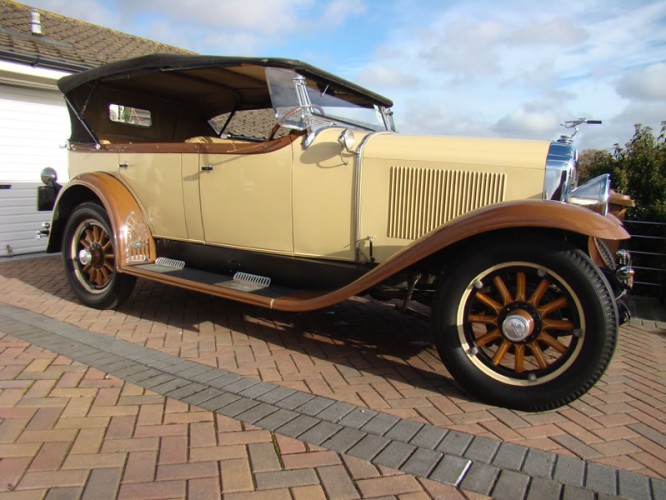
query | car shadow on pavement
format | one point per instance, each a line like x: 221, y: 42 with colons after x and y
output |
x: 357, y: 345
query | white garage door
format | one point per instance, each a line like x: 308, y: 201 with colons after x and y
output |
x: 34, y: 126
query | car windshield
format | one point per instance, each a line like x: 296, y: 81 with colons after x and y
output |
x: 326, y: 107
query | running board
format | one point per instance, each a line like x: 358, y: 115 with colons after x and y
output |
x: 176, y: 273
x: 244, y: 282
x: 242, y: 287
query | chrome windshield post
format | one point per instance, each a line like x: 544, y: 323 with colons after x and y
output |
x: 304, y: 100
x: 387, y: 118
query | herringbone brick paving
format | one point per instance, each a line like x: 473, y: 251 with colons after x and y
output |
x: 363, y: 353
x: 70, y: 431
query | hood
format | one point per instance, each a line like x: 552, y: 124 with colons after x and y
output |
x: 457, y: 151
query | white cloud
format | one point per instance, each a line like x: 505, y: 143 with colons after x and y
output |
x: 387, y: 77
x: 558, y: 31
x: 514, y: 67
x: 241, y: 27
x: 337, y: 12
x: 220, y: 27
x: 260, y: 16
x: 528, y: 124
x: 520, y: 69
x: 425, y: 116
x: 620, y: 128
x: 647, y: 84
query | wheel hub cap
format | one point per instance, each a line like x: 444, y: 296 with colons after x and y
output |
x: 517, y: 326
x: 85, y: 257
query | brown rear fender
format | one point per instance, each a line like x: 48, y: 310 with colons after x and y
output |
x: 121, y: 207
x: 550, y: 215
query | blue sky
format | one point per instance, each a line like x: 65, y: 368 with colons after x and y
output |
x: 515, y: 68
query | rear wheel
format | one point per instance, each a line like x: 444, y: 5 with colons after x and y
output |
x: 90, y: 259
x: 529, y: 325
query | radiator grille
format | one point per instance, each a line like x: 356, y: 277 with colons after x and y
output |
x: 422, y: 199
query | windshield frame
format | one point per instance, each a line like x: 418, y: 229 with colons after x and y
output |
x: 302, y: 104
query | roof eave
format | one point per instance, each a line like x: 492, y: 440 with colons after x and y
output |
x: 36, y: 60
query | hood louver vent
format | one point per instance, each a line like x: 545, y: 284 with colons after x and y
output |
x: 422, y: 199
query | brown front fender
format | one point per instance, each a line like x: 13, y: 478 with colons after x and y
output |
x: 513, y: 215
x: 119, y: 205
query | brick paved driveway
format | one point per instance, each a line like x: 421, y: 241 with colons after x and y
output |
x: 360, y: 352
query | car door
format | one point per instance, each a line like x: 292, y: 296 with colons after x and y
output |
x: 246, y: 198
x: 324, y: 199
x: 156, y: 180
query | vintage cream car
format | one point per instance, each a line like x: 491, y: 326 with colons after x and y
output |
x: 274, y: 183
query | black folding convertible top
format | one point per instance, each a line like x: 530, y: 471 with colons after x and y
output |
x: 155, y: 63
x: 183, y: 93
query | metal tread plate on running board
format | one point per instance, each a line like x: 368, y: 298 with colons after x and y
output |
x: 164, y: 265
x: 244, y: 284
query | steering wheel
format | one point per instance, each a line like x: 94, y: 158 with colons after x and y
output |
x: 274, y: 130
x: 291, y: 113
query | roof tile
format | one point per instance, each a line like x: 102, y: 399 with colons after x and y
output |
x: 69, y: 42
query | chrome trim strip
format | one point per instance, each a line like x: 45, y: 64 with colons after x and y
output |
x: 356, y: 196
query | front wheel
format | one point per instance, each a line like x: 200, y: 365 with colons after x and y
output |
x: 529, y: 325
x: 89, y: 256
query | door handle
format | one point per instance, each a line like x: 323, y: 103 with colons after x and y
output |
x: 207, y: 168
x: 123, y: 165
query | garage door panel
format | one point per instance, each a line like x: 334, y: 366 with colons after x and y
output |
x: 34, y: 125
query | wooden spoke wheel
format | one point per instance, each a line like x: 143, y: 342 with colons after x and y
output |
x: 92, y: 253
x: 522, y: 325
x: 90, y: 260
x: 528, y: 325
